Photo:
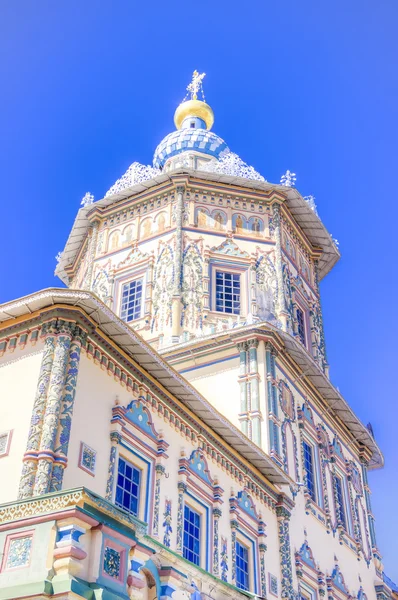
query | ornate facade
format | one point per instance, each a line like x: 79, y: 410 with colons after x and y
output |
x: 175, y: 433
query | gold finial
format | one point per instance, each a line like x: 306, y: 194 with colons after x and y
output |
x: 196, y: 85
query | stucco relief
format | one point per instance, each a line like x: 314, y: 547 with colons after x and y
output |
x: 80, y: 275
x: 101, y: 284
x: 164, y: 275
x: 192, y: 288
x: 266, y: 289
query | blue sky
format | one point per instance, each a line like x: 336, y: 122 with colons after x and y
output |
x: 89, y: 87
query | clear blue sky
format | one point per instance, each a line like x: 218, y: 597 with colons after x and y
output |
x: 89, y: 86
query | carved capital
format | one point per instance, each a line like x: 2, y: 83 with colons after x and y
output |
x: 116, y: 437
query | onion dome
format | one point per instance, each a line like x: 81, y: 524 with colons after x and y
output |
x: 193, y: 119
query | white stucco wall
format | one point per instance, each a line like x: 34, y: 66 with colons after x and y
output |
x: 19, y: 372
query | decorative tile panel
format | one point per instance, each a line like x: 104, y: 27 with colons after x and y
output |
x: 87, y: 458
x: 18, y: 552
x: 4, y: 443
x: 273, y: 584
x: 112, y: 562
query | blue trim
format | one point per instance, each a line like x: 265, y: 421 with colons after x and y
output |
x: 139, y: 416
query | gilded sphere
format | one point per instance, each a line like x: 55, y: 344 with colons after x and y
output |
x: 194, y: 108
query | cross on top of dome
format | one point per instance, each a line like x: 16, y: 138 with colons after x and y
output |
x: 196, y: 86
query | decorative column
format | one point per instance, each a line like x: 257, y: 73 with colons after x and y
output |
x: 283, y: 313
x: 371, y: 520
x: 115, y: 441
x: 234, y: 528
x: 255, y: 413
x: 88, y: 280
x: 160, y: 471
x: 272, y: 393
x: 321, y: 329
x: 262, y: 547
x: 244, y: 415
x: 176, y: 300
x: 68, y: 398
x: 53, y: 409
x: 216, y: 544
x: 182, y: 488
x: 30, y: 457
x: 283, y: 512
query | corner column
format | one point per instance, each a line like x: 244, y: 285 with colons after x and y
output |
x: 255, y: 413
x: 88, y: 281
x: 26, y: 485
x: 176, y: 299
x: 53, y: 408
x: 283, y: 313
x: 272, y: 393
x: 68, y: 398
x: 371, y: 520
x: 243, y: 415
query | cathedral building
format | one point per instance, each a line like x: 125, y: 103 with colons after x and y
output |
x: 168, y: 428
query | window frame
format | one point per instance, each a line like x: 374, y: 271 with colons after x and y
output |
x: 248, y: 541
x: 235, y: 278
x: 311, y: 447
x: 203, y: 510
x: 186, y: 550
x: 303, y: 338
x: 126, y: 276
x: 128, y: 283
x: 238, y: 542
x: 217, y: 266
x: 143, y: 464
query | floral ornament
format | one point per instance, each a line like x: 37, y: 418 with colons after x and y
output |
x: 87, y: 199
x: 224, y: 559
x: 167, y: 524
x: 231, y: 164
x: 136, y: 173
x: 288, y: 179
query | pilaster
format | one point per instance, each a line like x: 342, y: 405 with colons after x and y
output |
x: 68, y: 398
x: 92, y: 251
x: 176, y: 299
x: 283, y: 513
x: 182, y: 488
x: 283, y: 313
x: 115, y: 441
x: 52, y: 411
x: 160, y: 471
x: 26, y: 485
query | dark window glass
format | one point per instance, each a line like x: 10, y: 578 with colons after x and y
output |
x: 340, y: 502
x: 191, y: 544
x: 301, y: 325
x: 128, y: 486
x: 242, y: 566
x: 228, y: 292
x: 131, y: 300
x: 309, y: 469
